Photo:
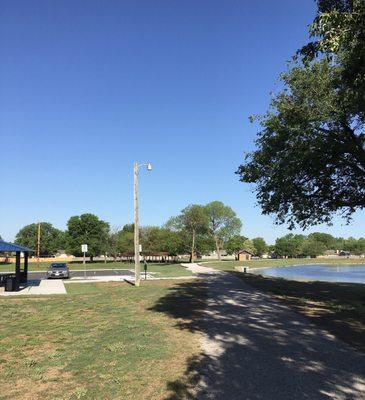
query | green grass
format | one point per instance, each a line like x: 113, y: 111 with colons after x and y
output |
x: 101, y: 341
x: 79, y: 265
x: 338, y: 307
x: 229, y: 265
x: 167, y: 270
x: 159, y: 269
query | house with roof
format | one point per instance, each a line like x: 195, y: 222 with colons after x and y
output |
x: 244, y: 255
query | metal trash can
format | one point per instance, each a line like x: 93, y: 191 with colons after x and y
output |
x: 10, y: 284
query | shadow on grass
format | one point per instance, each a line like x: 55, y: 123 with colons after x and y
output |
x: 255, y: 348
x: 337, y: 306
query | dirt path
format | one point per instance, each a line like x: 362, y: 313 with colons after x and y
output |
x: 257, y: 348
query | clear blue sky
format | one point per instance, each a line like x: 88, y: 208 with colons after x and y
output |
x: 87, y: 87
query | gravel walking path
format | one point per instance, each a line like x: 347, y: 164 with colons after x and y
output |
x: 256, y: 348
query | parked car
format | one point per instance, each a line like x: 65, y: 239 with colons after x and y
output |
x: 58, y: 270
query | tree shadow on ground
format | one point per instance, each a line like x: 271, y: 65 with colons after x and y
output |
x: 256, y: 348
x: 336, y: 306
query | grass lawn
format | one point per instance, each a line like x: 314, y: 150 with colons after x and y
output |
x: 337, y: 307
x: 160, y: 269
x: 43, y: 266
x: 100, y: 341
x: 167, y: 270
x: 229, y: 265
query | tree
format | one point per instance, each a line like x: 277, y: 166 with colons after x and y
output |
x: 125, y: 242
x: 248, y: 246
x: 191, y: 222
x: 205, y: 243
x: 260, y: 246
x: 354, y: 246
x: 289, y: 245
x: 312, y: 247
x: 223, y: 223
x: 158, y: 239
x: 87, y: 229
x: 124, y: 239
x: 360, y: 248
x: 52, y: 239
x: 310, y: 158
x: 339, y: 32
x: 235, y: 243
x: 327, y: 240
x: 112, y: 242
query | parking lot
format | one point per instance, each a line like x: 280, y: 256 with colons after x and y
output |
x: 89, y: 273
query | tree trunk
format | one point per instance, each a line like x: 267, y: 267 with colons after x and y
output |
x: 216, y: 239
x: 192, y: 248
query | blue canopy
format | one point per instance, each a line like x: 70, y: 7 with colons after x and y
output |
x: 8, y: 247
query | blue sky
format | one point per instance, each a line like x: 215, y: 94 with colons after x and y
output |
x: 87, y: 87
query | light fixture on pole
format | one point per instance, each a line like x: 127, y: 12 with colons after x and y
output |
x: 137, y: 264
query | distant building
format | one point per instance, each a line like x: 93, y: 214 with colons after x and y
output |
x: 244, y: 255
x: 331, y: 252
x: 61, y: 254
x: 213, y: 255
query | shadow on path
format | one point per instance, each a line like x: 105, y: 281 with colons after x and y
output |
x: 257, y: 348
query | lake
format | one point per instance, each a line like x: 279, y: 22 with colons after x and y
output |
x: 317, y: 272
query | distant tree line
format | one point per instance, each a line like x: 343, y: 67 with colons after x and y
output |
x: 316, y: 244
x: 197, y: 229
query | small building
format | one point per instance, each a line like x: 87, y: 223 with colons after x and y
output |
x: 244, y: 255
x: 331, y: 252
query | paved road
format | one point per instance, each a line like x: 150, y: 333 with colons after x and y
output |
x: 80, y: 273
x: 256, y: 348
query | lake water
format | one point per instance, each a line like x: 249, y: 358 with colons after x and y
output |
x: 317, y: 272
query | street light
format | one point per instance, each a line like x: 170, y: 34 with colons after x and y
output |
x: 137, y: 264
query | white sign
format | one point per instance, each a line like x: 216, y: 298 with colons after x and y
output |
x: 140, y: 248
x: 84, y: 248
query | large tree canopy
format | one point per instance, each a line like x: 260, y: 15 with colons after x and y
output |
x: 51, y: 238
x: 310, y: 156
x: 289, y: 245
x: 223, y: 223
x: 260, y: 246
x: 339, y: 34
x: 87, y: 229
x: 157, y: 239
x: 191, y: 223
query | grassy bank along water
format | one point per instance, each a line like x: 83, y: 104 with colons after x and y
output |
x: 229, y: 265
x: 337, y: 307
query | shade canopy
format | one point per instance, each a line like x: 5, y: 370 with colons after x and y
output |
x: 10, y: 247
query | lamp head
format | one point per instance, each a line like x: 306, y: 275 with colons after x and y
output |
x: 149, y: 167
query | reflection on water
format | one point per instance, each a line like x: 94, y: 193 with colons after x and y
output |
x: 317, y: 272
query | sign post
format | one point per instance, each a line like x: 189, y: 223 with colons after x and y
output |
x: 84, y: 250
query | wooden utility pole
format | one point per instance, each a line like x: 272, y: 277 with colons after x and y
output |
x: 38, y: 242
x: 137, y: 264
